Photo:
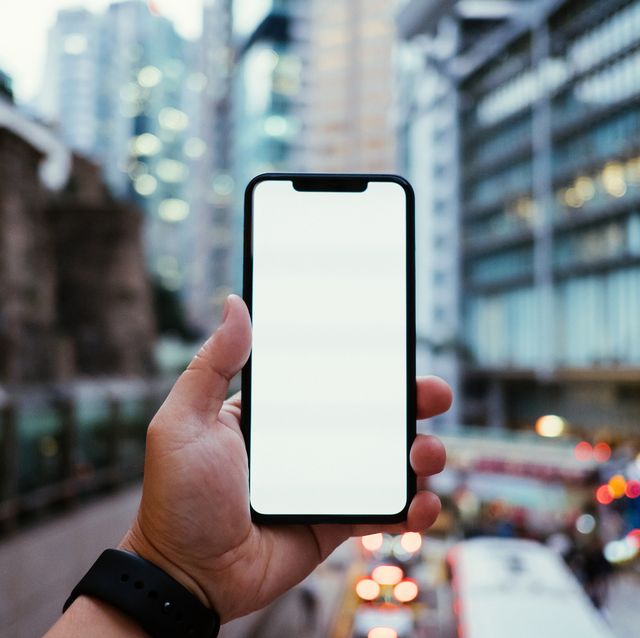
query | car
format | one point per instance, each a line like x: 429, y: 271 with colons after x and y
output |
x: 371, y: 621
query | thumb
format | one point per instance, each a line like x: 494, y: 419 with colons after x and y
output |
x: 203, y: 386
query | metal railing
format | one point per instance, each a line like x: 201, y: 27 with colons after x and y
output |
x: 60, y: 444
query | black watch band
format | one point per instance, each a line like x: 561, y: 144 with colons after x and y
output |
x: 148, y: 595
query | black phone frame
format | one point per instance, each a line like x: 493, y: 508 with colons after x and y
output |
x: 335, y: 182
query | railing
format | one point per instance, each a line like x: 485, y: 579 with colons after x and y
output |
x: 61, y: 444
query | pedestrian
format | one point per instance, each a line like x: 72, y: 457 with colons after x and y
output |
x: 597, y: 572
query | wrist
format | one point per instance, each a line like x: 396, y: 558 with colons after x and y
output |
x: 134, y: 541
x: 103, y: 619
x: 162, y: 606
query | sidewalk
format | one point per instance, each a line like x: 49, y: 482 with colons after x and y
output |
x: 40, y: 566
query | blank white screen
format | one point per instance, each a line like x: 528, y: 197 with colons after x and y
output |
x: 328, y: 379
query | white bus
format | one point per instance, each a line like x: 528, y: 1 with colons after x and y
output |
x: 511, y: 588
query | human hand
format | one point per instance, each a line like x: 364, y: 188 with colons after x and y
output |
x: 194, y: 519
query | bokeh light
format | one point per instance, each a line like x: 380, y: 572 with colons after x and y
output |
x: 173, y: 119
x: 632, y: 489
x: 387, y: 574
x: 372, y: 542
x: 634, y: 537
x: 405, y: 591
x: 173, y: 210
x: 583, y: 451
x: 618, y: 485
x: 145, y: 185
x: 585, y: 524
x: 613, y: 179
x: 411, y: 541
x: 550, y: 425
x: 601, y: 452
x: 367, y: 589
x: 149, y: 76
x: 382, y: 632
x: 604, y: 495
x: 621, y: 551
x: 146, y: 144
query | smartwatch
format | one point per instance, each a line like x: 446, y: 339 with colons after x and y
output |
x: 157, y: 602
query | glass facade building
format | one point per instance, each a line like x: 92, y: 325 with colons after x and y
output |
x: 126, y: 94
x: 427, y: 133
x: 265, y: 87
x: 211, y: 242
x: 549, y: 157
x: 71, y: 84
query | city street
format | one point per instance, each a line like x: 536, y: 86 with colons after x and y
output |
x: 355, y: 213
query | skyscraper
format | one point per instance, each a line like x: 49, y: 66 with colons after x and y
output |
x: 266, y: 85
x: 71, y: 82
x: 345, y: 108
x: 124, y: 91
x: 209, y: 279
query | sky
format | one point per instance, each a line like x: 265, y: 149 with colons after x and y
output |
x: 24, y: 25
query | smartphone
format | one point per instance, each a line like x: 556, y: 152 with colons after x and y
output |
x: 328, y: 394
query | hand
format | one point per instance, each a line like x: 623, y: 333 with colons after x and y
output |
x: 194, y: 518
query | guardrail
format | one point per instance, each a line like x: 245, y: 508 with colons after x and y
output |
x: 62, y: 443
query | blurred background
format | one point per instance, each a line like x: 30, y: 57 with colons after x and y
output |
x: 128, y: 131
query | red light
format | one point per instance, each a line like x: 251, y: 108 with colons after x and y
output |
x: 583, y: 451
x: 601, y: 452
x: 632, y: 490
x: 367, y: 589
x: 604, y: 495
x: 387, y: 574
x: 405, y: 591
x: 634, y: 537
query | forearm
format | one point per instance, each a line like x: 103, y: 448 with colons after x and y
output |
x: 87, y: 616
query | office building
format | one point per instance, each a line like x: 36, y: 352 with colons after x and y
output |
x: 71, y: 83
x: 425, y: 115
x: 548, y: 136
x: 123, y: 90
x: 345, y: 107
x: 209, y: 278
x: 265, y: 88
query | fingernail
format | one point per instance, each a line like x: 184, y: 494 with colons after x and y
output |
x: 225, y: 309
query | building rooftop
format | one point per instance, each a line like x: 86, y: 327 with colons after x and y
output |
x: 56, y: 162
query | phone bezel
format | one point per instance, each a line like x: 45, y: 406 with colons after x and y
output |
x: 336, y: 182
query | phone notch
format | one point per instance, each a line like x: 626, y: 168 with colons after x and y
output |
x: 335, y: 183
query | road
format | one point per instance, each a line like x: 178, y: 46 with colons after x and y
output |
x: 332, y: 586
x: 38, y: 567
x: 309, y: 610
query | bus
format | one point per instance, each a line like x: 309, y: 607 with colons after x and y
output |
x: 515, y: 588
